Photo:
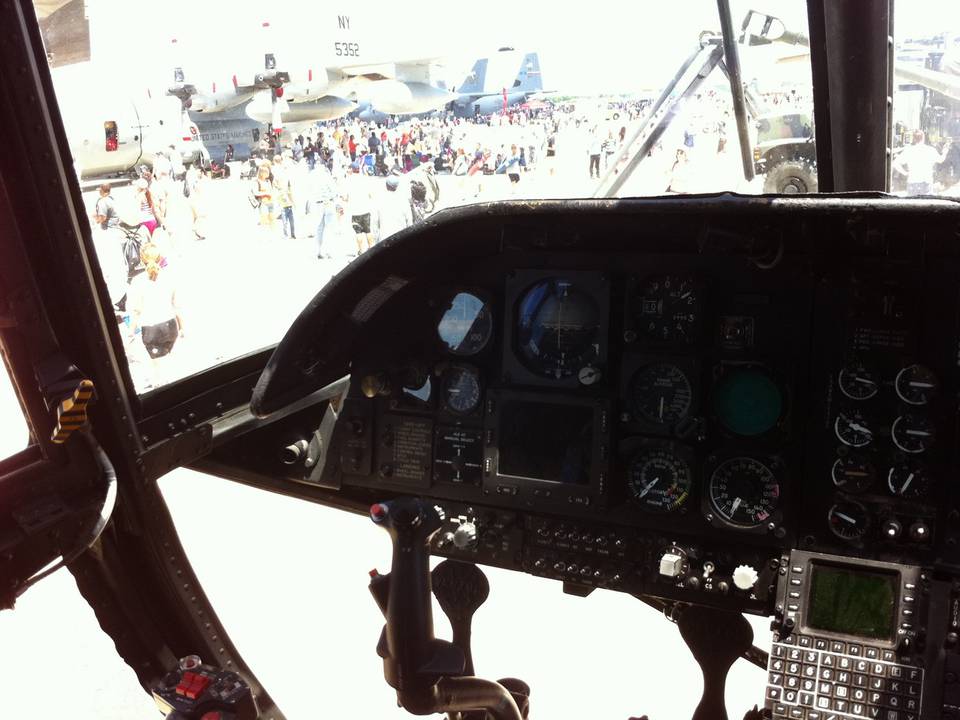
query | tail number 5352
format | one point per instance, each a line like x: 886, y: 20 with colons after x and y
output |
x: 346, y: 49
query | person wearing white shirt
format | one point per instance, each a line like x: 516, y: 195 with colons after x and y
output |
x: 918, y: 162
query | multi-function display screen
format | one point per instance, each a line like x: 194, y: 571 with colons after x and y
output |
x: 546, y: 441
x: 851, y: 602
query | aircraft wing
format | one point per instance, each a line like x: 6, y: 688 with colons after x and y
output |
x: 408, y: 71
x: 943, y: 83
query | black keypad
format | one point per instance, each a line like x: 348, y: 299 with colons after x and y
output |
x: 814, y: 678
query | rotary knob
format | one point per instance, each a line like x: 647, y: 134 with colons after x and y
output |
x: 671, y: 565
x: 744, y: 577
x: 465, y: 536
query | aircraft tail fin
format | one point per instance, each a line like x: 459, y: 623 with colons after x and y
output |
x: 474, y: 82
x: 529, y: 78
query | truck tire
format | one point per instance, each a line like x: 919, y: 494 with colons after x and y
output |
x: 792, y: 177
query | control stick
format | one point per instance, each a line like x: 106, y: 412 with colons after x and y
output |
x: 461, y: 588
x: 421, y: 668
x: 716, y: 639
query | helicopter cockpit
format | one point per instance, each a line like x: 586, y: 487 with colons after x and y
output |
x: 721, y: 405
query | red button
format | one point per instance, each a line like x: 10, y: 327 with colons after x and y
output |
x: 198, y: 685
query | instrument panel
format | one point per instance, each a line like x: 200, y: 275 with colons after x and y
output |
x: 670, y: 409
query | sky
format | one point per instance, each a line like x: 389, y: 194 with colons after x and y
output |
x: 603, y: 47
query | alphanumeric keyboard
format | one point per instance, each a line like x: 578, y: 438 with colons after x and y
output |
x: 816, y: 678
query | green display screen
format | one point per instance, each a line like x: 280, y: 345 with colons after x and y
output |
x: 853, y: 603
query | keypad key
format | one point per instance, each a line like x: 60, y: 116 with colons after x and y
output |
x: 893, y: 701
x: 896, y: 671
x: 825, y: 689
x: 912, y: 690
x: 911, y: 704
x: 875, y: 698
x: 879, y: 669
x: 858, y: 695
x: 791, y: 681
x: 838, y: 647
x: 790, y: 639
x: 891, y: 715
x: 820, y: 644
x: 778, y: 650
x: 878, y: 683
x: 844, y: 663
x: 828, y: 660
x: 806, y: 699
x: 794, y: 654
x: 796, y: 713
x: 895, y: 686
x: 811, y: 656
x: 810, y: 671
x: 779, y: 710
x: 861, y: 666
x: 874, y: 711
x: 775, y: 679
x: 790, y: 696
x: 872, y: 653
x: 793, y: 668
x: 888, y: 656
x: 858, y: 709
x: 773, y: 693
x: 826, y: 674
x: 823, y: 702
x: 914, y: 674
x: 854, y: 649
x: 861, y: 680
x: 840, y: 705
x: 813, y: 715
x: 842, y: 691
x: 808, y: 685
x: 843, y: 677
x: 805, y: 641
x: 777, y: 666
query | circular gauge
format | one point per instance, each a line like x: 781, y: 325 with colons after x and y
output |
x: 848, y: 520
x: 744, y: 491
x: 659, y: 480
x: 461, y: 389
x: 913, y: 433
x: 466, y: 325
x: 908, y: 481
x: 558, y: 328
x: 661, y: 393
x: 748, y: 402
x: 853, y: 473
x: 916, y: 385
x: 853, y: 429
x: 858, y: 383
x: 668, y: 308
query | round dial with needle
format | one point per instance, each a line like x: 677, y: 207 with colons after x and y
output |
x: 913, y: 433
x: 848, y: 520
x: 853, y: 428
x: 744, y: 491
x: 858, y: 382
x: 908, y: 481
x: 853, y: 473
x: 916, y: 385
x: 662, y: 394
x: 659, y: 480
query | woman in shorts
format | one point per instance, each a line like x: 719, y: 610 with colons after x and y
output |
x: 152, y: 304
